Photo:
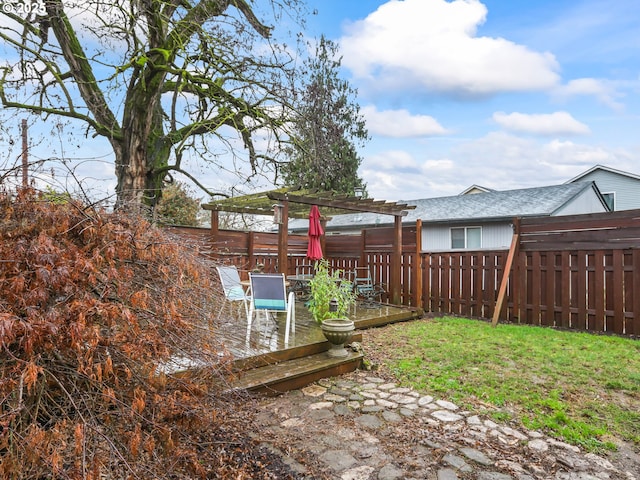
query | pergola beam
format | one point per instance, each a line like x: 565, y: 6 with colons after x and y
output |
x: 348, y: 204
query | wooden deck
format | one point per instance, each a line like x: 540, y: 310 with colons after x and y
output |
x: 264, y: 363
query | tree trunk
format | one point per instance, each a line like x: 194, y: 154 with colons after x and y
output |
x: 144, y: 149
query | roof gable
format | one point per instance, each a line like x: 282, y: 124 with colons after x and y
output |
x: 475, y: 189
x: 604, y: 169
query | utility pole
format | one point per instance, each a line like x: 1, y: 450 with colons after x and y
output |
x: 25, y: 155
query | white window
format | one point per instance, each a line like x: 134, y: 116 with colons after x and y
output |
x: 466, y: 237
x: 610, y: 200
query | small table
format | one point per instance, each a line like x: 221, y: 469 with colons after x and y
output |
x: 300, y: 284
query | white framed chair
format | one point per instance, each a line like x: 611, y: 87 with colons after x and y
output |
x: 364, y: 287
x: 233, y: 289
x: 269, y: 294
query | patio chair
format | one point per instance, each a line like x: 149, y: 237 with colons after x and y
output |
x: 300, y: 281
x: 369, y: 292
x: 269, y: 294
x: 233, y: 289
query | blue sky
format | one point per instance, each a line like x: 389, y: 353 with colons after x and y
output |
x: 498, y: 93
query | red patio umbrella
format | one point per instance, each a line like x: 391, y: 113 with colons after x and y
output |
x: 314, y: 250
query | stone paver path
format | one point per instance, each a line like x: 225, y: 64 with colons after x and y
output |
x: 360, y: 427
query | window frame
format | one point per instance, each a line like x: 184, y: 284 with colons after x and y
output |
x: 612, y: 196
x: 465, y: 237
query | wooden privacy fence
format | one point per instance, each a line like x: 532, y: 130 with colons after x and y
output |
x: 579, y: 272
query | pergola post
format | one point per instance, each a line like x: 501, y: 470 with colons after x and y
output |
x: 215, y: 222
x: 396, y: 261
x: 283, y: 239
x: 416, y: 268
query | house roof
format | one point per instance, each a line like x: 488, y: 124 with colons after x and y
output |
x: 488, y: 206
x: 606, y: 169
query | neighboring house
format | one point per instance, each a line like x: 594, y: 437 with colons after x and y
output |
x: 478, y: 221
x: 475, y: 189
x: 621, y: 190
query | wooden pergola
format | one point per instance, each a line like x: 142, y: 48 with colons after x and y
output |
x: 296, y: 202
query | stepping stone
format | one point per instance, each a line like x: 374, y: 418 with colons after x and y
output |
x: 314, y: 390
x: 446, y: 416
x: 447, y: 474
x: 369, y: 421
x: 447, y: 405
x: 476, y: 456
x: 359, y: 473
x: 538, y: 445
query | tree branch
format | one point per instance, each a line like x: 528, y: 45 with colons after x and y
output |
x: 80, y: 67
x: 207, y: 9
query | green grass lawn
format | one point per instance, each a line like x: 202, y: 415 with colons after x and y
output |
x: 579, y: 387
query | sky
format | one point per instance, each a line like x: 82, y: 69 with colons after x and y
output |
x: 498, y: 93
x: 502, y: 94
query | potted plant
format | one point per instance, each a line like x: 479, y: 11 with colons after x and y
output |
x: 331, y: 297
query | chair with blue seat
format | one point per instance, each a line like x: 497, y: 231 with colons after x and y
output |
x: 233, y: 289
x: 369, y: 292
x: 269, y: 294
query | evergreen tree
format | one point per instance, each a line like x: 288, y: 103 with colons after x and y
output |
x: 327, y: 128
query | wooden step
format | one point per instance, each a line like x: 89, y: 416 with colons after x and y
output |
x: 287, y: 354
x: 295, y: 373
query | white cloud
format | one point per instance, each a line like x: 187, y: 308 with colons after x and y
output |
x: 397, y: 175
x: 432, y: 44
x: 503, y: 161
x: 401, y: 123
x: 570, y: 153
x: 394, y: 160
x: 442, y: 165
x: 557, y: 123
x: 601, y: 90
x: 498, y: 160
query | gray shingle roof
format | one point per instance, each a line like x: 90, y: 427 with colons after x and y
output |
x: 493, y: 205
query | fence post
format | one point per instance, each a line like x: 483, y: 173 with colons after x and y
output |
x: 505, y: 278
x: 417, y: 268
x: 396, y: 261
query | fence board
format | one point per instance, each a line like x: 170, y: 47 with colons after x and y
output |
x: 599, y: 291
x: 565, y: 296
x: 632, y: 326
x: 466, y: 294
x: 617, y: 297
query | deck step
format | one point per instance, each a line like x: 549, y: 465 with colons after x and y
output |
x: 295, y: 373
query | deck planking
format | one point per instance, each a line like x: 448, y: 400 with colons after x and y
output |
x: 263, y: 362
x: 266, y: 336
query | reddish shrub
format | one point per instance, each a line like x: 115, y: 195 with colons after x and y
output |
x: 91, y: 304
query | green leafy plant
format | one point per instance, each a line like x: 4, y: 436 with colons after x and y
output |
x: 327, y: 286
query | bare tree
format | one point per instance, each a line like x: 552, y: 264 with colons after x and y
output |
x: 156, y: 78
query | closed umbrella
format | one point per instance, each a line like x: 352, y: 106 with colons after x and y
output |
x: 314, y: 249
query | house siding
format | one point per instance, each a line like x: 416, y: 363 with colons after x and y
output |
x: 437, y: 238
x: 586, y: 202
x: 626, y: 189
